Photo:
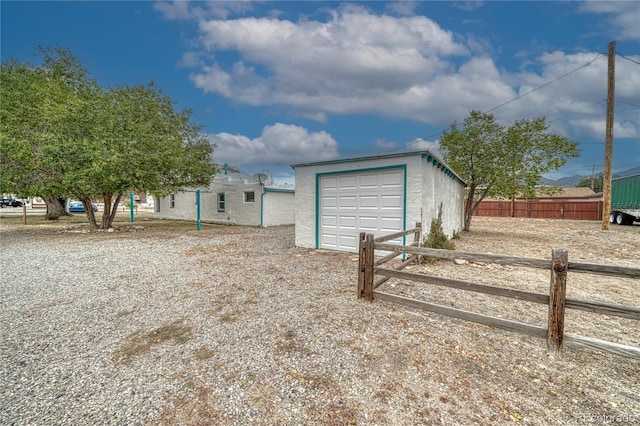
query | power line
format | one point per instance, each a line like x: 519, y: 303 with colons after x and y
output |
x: 525, y: 94
x: 546, y: 84
x: 627, y: 103
x: 628, y: 59
x: 575, y: 112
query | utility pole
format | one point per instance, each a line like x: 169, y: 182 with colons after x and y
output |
x: 608, y: 139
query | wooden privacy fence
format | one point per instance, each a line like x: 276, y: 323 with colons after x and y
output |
x: 553, y: 209
x: 372, y: 274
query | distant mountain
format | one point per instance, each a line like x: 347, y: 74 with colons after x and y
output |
x: 565, y: 182
x: 571, y: 181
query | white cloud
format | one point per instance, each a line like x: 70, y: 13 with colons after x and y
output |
x: 403, y: 68
x: 278, y: 145
x: 354, y: 63
x: 385, y: 145
x: 468, y: 5
x: 579, y: 97
x: 624, y: 16
x: 420, y: 144
x: 403, y: 8
x: 182, y: 10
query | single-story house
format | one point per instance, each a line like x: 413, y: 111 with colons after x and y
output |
x: 336, y: 200
x: 233, y: 198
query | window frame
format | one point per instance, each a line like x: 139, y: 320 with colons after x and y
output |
x: 221, y: 198
x: 253, y: 196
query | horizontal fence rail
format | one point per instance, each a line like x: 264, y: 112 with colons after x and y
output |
x: 372, y: 274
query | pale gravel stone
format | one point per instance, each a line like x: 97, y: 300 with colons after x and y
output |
x: 287, y: 342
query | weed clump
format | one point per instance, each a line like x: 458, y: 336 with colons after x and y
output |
x: 140, y: 343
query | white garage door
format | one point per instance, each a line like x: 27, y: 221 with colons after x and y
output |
x: 350, y: 203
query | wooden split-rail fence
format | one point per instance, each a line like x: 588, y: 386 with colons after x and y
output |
x: 372, y: 274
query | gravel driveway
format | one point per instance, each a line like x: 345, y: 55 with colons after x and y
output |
x: 236, y: 326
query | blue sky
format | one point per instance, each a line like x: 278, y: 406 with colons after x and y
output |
x: 278, y: 83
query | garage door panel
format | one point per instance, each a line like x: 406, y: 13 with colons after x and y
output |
x: 329, y: 182
x: 368, y: 201
x: 347, y: 182
x: 329, y: 202
x: 348, y: 242
x: 391, y: 202
x: 330, y: 221
x: 354, y: 202
x: 348, y: 222
x: 368, y: 180
x: 392, y: 179
x: 391, y: 224
x: 329, y: 240
x: 348, y: 202
x: 368, y: 223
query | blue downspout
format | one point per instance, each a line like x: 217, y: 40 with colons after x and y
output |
x: 198, y: 208
x: 131, y: 205
x: 264, y: 191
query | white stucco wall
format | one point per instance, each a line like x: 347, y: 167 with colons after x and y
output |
x: 440, y: 187
x: 426, y: 187
x: 278, y: 208
x: 237, y: 211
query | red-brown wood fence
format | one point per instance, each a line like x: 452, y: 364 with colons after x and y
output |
x: 369, y: 268
x: 580, y: 210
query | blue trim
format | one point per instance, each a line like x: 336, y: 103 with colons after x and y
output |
x: 369, y: 169
x: 374, y: 157
x: 432, y: 159
x: 264, y: 191
x: 279, y: 190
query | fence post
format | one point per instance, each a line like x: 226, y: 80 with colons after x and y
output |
x: 557, y: 296
x: 360, y: 287
x: 368, y: 268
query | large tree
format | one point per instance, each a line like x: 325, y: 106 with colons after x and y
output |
x: 495, y: 160
x: 69, y: 137
x: 34, y: 115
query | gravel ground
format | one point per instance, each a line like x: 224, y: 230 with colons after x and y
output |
x: 235, y: 326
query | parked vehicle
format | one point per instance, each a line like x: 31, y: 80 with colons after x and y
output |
x: 78, y: 207
x: 10, y: 202
x: 625, y: 200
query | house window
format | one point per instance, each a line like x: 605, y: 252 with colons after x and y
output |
x: 249, y: 197
x: 172, y: 200
x: 221, y: 201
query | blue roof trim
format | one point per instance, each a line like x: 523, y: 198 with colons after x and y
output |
x: 279, y: 190
x: 351, y: 160
x: 442, y: 166
x: 431, y: 157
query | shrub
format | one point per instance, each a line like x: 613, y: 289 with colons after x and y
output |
x: 436, y: 239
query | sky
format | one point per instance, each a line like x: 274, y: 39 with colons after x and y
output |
x: 276, y: 83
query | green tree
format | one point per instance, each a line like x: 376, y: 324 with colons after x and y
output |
x: 595, y: 183
x: 495, y: 160
x: 69, y: 137
x: 34, y: 113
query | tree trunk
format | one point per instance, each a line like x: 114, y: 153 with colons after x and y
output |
x: 472, y: 204
x: 109, y: 214
x: 88, y: 208
x: 469, y: 208
x: 55, y: 207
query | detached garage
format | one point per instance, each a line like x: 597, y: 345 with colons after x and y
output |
x: 337, y: 200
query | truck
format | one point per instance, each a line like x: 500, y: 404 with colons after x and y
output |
x: 625, y: 200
